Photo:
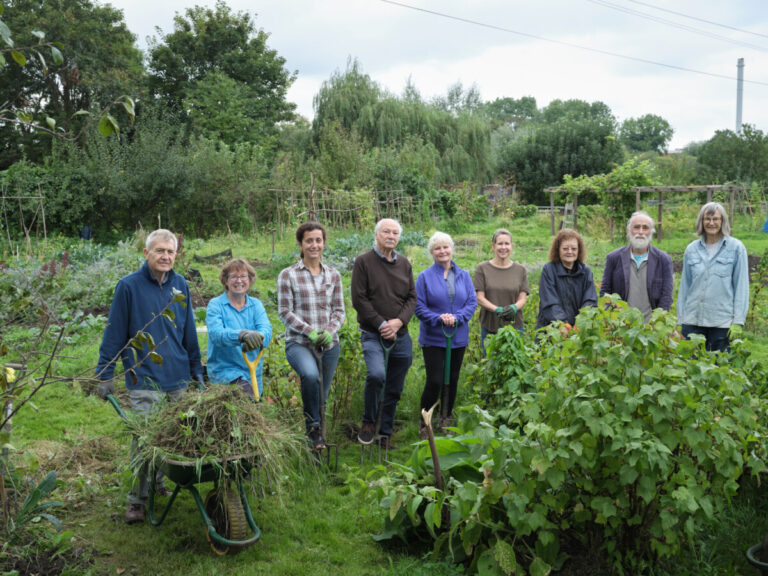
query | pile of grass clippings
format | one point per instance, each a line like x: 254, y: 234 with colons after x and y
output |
x: 215, y: 426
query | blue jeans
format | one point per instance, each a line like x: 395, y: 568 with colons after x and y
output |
x: 391, y: 377
x: 716, y: 338
x: 303, y: 361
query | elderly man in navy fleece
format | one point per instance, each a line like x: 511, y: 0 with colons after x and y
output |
x: 139, y: 299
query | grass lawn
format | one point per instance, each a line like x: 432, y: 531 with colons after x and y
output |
x: 314, y: 526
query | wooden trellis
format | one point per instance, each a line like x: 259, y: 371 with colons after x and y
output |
x: 37, y: 219
x: 339, y: 208
x: 732, y: 189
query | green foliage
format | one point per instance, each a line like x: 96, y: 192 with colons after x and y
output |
x: 214, y: 54
x: 736, y: 156
x: 620, y: 437
x: 571, y: 137
x: 35, y: 508
x: 646, y: 133
x: 86, y: 76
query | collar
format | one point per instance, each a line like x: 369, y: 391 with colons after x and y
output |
x: 148, y: 273
x: 301, y: 266
x: 380, y: 255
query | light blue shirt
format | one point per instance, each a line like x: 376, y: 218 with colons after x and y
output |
x: 714, y: 292
x: 225, y: 356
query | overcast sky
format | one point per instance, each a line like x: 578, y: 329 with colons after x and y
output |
x: 649, y: 57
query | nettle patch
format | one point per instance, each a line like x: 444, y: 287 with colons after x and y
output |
x: 616, y: 442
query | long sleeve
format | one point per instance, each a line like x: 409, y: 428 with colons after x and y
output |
x: 741, y: 286
x: 589, y: 294
x: 286, y: 309
x: 116, y: 333
x: 423, y: 311
x: 189, y: 340
x: 682, y: 293
x: 668, y: 283
x: 467, y: 309
x: 550, y: 307
x: 337, y: 305
x: 606, y: 286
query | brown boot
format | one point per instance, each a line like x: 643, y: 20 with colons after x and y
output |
x: 134, y: 514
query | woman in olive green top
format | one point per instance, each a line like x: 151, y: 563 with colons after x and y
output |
x: 502, y: 288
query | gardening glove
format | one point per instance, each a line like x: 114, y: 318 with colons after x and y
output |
x: 314, y: 336
x: 325, y: 339
x: 251, y: 339
x: 499, y: 312
x: 104, y: 388
x: 565, y: 329
x: 734, y: 332
x: 509, y: 313
x: 198, y: 380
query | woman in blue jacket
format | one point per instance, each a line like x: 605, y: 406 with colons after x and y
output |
x: 445, y: 302
x: 236, y: 323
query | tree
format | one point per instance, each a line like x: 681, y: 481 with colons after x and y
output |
x: 217, y: 62
x: 646, y: 133
x: 344, y: 99
x: 730, y: 156
x: 94, y: 62
x: 572, y: 137
x: 511, y: 112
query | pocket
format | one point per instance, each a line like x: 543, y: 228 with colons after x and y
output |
x: 723, y: 265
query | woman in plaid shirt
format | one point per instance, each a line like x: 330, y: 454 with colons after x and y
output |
x: 310, y: 303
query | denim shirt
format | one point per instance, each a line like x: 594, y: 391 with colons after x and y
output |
x: 714, y: 292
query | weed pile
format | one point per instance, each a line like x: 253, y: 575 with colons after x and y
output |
x: 217, y: 426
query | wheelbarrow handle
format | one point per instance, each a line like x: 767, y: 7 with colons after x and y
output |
x: 252, y: 364
x: 116, y: 405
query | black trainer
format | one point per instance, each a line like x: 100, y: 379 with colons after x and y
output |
x: 366, y: 434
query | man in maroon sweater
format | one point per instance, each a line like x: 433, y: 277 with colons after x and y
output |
x: 384, y: 296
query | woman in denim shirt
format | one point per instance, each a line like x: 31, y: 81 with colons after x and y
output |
x: 714, y: 289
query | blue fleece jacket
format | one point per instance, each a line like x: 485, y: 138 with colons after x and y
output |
x: 432, y: 301
x: 225, y: 356
x: 138, y: 299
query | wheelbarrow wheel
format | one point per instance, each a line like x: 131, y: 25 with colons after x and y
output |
x: 225, y: 509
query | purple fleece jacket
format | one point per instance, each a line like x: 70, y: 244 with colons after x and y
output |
x: 432, y: 301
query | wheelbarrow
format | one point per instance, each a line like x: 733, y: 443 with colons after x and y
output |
x: 225, y: 511
x: 757, y: 556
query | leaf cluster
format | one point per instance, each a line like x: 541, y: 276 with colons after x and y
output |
x: 621, y: 439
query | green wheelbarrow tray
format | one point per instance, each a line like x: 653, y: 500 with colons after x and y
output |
x: 757, y: 556
x: 226, y: 512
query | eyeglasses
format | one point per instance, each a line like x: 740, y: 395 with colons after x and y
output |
x: 714, y: 220
x: 240, y: 277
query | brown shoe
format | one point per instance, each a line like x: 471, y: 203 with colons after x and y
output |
x: 386, y: 442
x: 134, y: 514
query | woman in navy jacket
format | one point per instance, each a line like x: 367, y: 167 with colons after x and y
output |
x: 445, y: 302
x: 566, y: 285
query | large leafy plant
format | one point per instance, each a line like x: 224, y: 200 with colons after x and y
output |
x: 620, y: 439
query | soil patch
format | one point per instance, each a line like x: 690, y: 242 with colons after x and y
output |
x: 73, y: 561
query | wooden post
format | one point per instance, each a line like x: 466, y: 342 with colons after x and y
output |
x: 637, y: 200
x: 658, y: 221
x: 709, y: 195
x: 551, y: 212
x: 576, y: 211
x: 611, y: 223
x: 731, y: 207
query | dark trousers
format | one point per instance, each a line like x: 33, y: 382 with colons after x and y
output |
x: 716, y: 338
x: 434, y: 364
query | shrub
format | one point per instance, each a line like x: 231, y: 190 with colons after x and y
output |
x: 620, y: 440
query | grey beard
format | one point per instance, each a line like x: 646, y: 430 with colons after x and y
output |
x: 640, y: 244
